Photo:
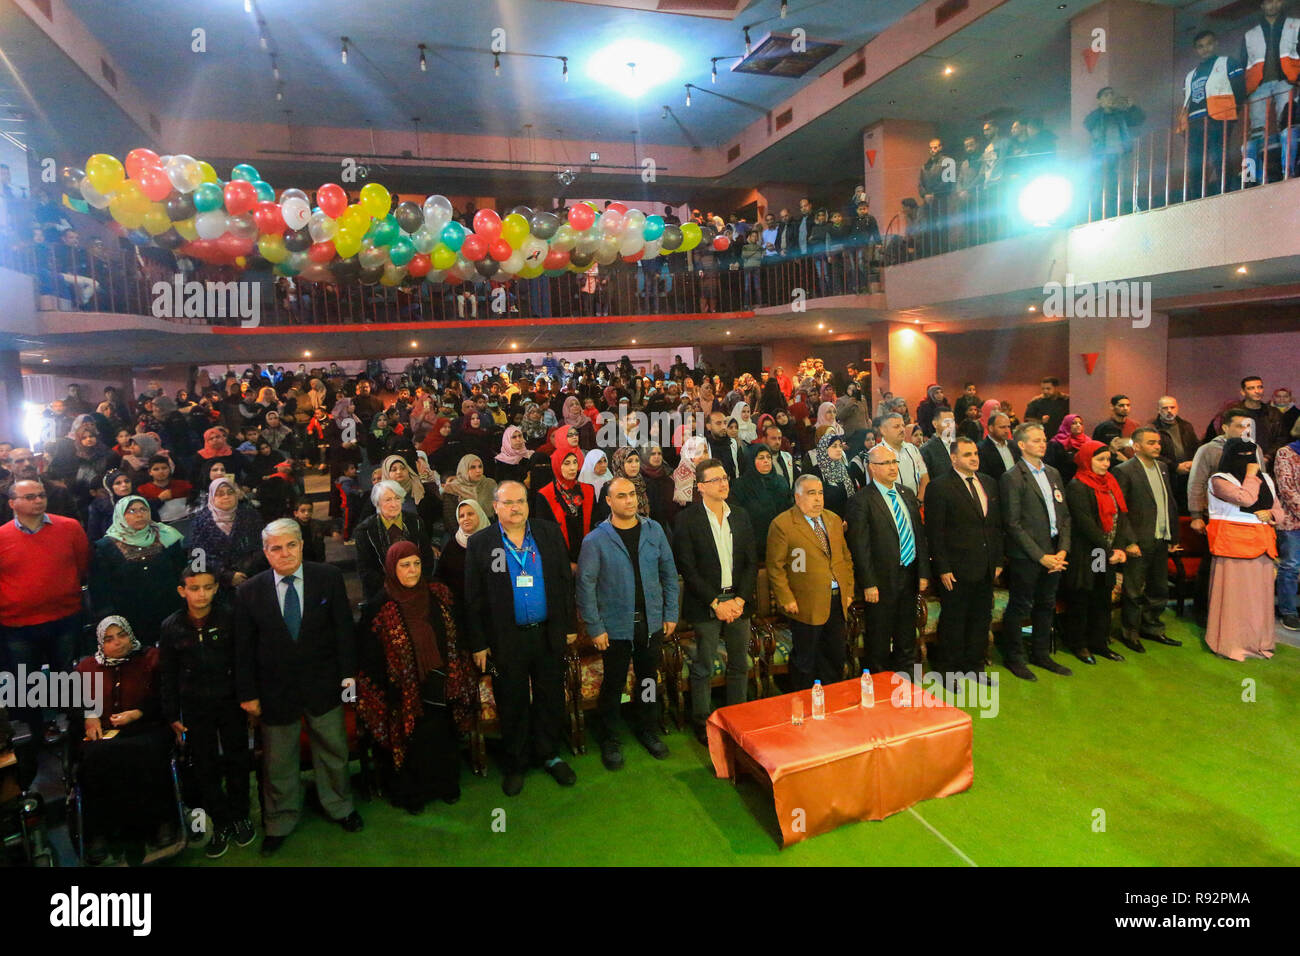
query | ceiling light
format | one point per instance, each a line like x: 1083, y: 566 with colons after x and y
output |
x: 1241, y: 270
x: 345, y: 50
x: 1033, y: 308
x: 45, y: 361
x: 279, y: 95
x: 713, y: 77
x: 830, y: 330
x: 414, y: 343
x: 749, y: 48
x: 248, y: 6
x: 261, y: 38
x: 565, y: 72
x: 593, y: 156
x: 424, y: 64
x: 688, y: 94
x: 633, y: 67
x: 275, y: 69
x: 664, y: 114
x: 634, y: 341
x: 306, y: 355
x: 496, y: 63
x: 947, y: 71
x: 728, y: 331
x: 821, y: 325
x: 514, y: 345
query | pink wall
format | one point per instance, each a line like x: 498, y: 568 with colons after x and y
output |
x: 1205, y: 372
x: 1003, y: 363
x: 902, y: 147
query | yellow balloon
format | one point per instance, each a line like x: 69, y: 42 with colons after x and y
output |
x: 348, y: 245
x: 105, y: 172
x: 691, y: 236
x: 156, y: 221
x: 207, y: 173
x: 531, y: 272
x: 354, y: 219
x: 375, y: 200
x: 272, y: 248
x: 129, y: 217
x: 443, y: 257
x: 186, y: 228
x: 514, y: 230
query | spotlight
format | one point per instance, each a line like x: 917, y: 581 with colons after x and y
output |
x: 566, y: 177
x: 1032, y: 308
x: 947, y: 71
x: 748, y: 46
x: 564, y: 73
x: 514, y: 345
x: 344, y: 52
x: 279, y: 95
x: 248, y: 6
x: 424, y: 64
x: 306, y: 355
x: 1241, y: 270
x: 688, y: 94
x: 593, y: 157
x: 414, y: 343
x: 714, y: 76
x: 1046, y: 199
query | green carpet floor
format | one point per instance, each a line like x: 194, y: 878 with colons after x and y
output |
x: 1185, y: 771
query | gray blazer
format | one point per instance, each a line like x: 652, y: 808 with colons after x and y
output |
x: 1024, y: 513
x: 1141, y: 503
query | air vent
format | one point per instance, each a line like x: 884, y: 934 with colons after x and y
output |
x: 108, y: 73
x: 949, y: 9
x: 733, y: 154
x: 774, y: 55
x: 854, y: 73
x: 783, y: 119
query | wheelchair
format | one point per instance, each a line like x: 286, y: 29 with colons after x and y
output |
x: 76, y: 806
x: 24, y: 836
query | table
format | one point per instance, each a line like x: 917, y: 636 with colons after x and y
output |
x: 857, y: 764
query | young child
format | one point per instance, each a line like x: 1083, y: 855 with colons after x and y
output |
x: 167, y: 496
x: 196, y: 647
x: 349, y: 492
x: 313, y: 541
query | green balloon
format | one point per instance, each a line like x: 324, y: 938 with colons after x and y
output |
x: 245, y: 172
x: 386, y: 230
x: 401, y: 251
x: 265, y: 191
x: 208, y: 197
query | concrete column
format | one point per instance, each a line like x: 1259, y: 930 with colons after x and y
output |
x: 898, y: 149
x: 910, y: 357
x: 11, y: 399
x: 1130, y: 361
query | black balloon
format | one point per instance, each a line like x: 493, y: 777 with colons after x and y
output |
x: 297, y: 241
x: 409, y: 217
x: 180, y: 206
x: 707, y: 234
x: 70, y: 178
x: 581, y: 259
x: 671, y: 239
x: 487, y: 267
x: 544, y: 224
x: 371, y: 276
x: 345, y: 270
x: 171, y: 239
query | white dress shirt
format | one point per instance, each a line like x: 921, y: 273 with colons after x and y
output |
x: 722, y: 541
x: 280, y: 589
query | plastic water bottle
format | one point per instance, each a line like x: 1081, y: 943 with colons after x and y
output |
x: 868, y: 691
x: 818, y: 701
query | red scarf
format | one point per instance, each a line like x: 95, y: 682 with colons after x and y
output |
x: 1110, y: 500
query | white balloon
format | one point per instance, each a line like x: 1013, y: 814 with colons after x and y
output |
x: 652, y: 248
x: 424, y: 239
x: 634, y: 221
x: 534, y: 251
x: 515, y: 263
x: 93, y: 196
x: 437, y: 213
x: 321, y: 227
x: 631, y: 244
x: 296, y: 212
x: 611, y: 222
x: 434, y: 276
x: 211, y: 224
x: 588, y: 242
x: 371, y: 256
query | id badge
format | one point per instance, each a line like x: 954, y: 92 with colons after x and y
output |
x: 524, y: 581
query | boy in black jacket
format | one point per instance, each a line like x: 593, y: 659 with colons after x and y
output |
x: 197, y: 647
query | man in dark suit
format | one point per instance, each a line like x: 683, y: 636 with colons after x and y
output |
x: 937, y: 449
x: 964, y: 522
x: 1038, y: 538
x: 1153, y: 518
x: 715, y: 552
x: 295, y: 658
x: 891, y: 561
x: 519, y: 607
x: 998, y: 453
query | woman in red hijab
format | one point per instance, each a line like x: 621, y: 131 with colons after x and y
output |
x: 1099, y: 537
x: 567, y: 501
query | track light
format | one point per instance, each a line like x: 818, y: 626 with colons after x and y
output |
x: 279, y: 95
x: 688, y: 94
x: 345, y: 50
x: 664, y: 115
x: 748, y: 47
x: 275, y: 70
x: 496, y: 63
x: 565, y: 72
x: 785, y: 8
x: 261, y: 35
x: 424, y: 64
x: 714, y: 76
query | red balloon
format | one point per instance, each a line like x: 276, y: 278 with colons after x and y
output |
x: 154, y: 183
x: 640, y: 253
x: 419, y: 265
x: 487, y: 224
x: 619, y: 208
x: 721, y: 243
x: 139, y: 159
x: 321, y: 251
x: 240, y: 197
x: 332, y: 200
x: 233, y: 245
x: 452, y: 279
x: 474, y: 247
x: 500, y: 250
x: 581, y: 217
x: 556, y: 259
x: 269, y: 218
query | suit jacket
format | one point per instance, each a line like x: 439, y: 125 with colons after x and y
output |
x: 490, y: 596
x: 1186, y: 434
x: 991, y: 461
x: 1024, y: 512
x: 1142, y: 504
x: 874, y: 542
x: 1088, y: 538
x: 937, y: 457
x: 963, y: 542
x: 291, y: 676
x: 697, y: 560
x: 791, y: 541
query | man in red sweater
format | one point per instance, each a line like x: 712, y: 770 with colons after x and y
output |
x: 43, y: 560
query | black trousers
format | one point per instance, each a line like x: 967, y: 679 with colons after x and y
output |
x: 1032, y: 595
x: 1087, y: 616
x: 818, y: 652
x: 965, y: 618
x: 217, y: 738
x: 526, y: 662
x: 643, y: 652
x: 890, y: 642
x: 1146, y: 590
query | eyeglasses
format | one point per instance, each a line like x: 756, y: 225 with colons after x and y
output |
x: 709, y: 481
x: 892, y: 461
x: 40, y: 497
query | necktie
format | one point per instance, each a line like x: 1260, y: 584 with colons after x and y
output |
x: 822, y: 536
x: 906, y: 546
x: 970, y: 483
x: 292, y: 607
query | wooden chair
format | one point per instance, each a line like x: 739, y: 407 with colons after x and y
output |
x: 680, y: 652
x: 585, y: 667
x: 487, y: 720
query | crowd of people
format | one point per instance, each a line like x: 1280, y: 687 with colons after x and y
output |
x: 495, y: 512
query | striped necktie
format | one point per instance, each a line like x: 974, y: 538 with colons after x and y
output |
x: 906, y: 546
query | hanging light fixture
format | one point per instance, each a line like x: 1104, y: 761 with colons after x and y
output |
x: 688, y: 94
x: 714, y: 75
x: 248, y: 6
x: 748, y: 47
x: 565, y: 72
x: 345, y: 50
x: 275, y: 70
x: 785, y: 8
x: 496, y: 63
x: 424, y: 64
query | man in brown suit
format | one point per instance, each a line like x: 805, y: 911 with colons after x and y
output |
x: 810, y: 570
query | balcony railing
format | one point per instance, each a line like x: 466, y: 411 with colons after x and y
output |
x: 124, y: 280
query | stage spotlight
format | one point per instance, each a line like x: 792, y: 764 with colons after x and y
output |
x: 1046, y: 199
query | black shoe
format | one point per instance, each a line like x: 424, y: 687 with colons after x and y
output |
x: 611, y: 755
x: 512, y: 784
x: 1291, y: 622
x: 352, y: 822
x: 218, y: 845
x: 1085, y: 656
x: 985, y: 679
x: 562, y: 773
x: 1162, y: 639
x: 242, y: 833
x: 1133, y: 643
x: 702, y: 734
x: 1047, y: 664
x: 658, y: 749
x: 97, y: 851
x: 1110, y: 655
x: 271, y: 845
x: 1020, y: 670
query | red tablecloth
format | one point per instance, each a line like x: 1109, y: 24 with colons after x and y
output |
x: 857, y: 764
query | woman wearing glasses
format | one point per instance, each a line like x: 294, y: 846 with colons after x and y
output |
x: 135, y: 568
